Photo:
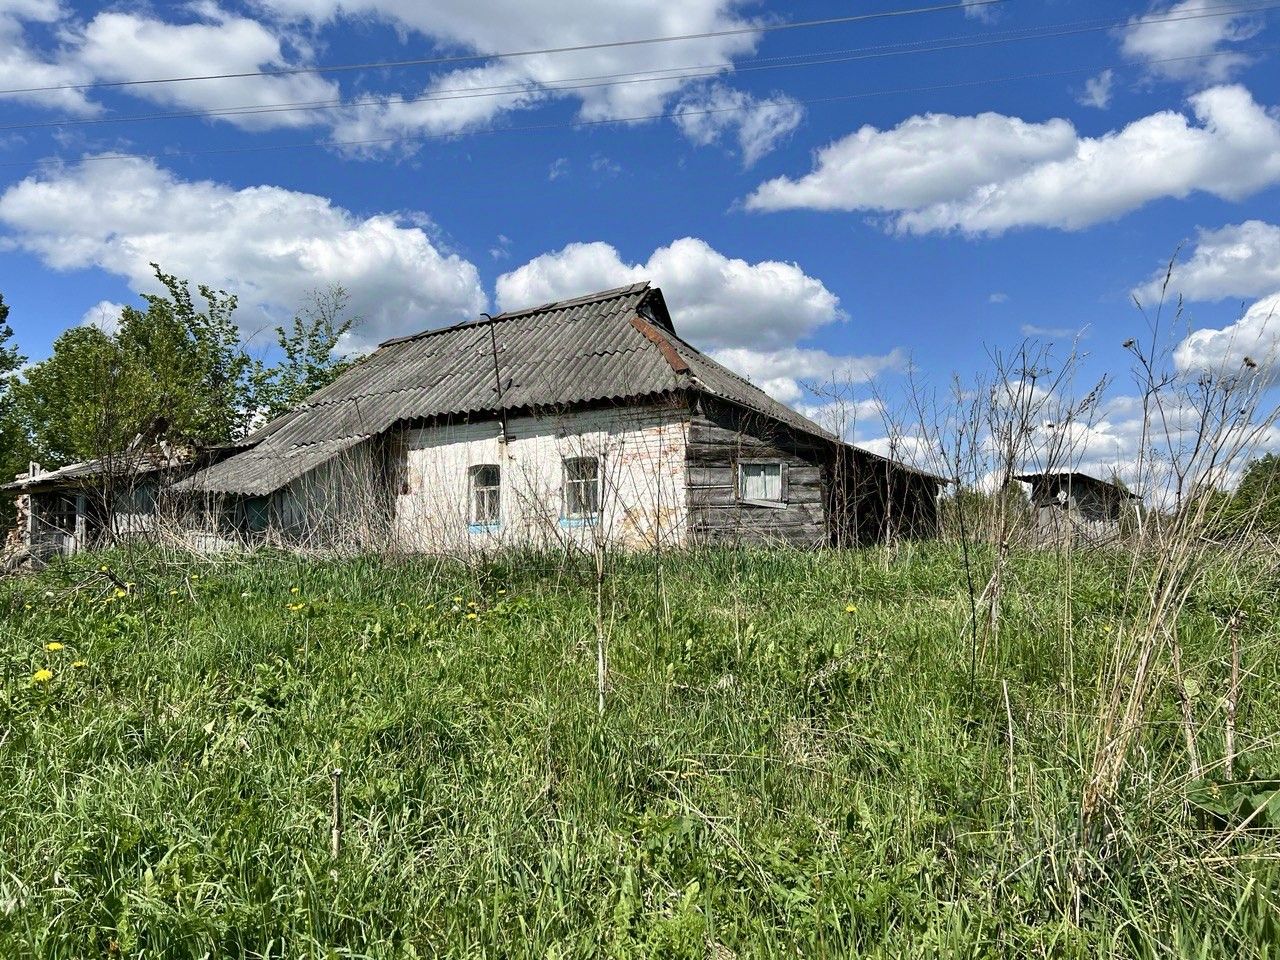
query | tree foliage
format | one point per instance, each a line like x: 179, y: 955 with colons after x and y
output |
x: 169, y: 368
x: 311, y: 350
x: 173, y: 367
x: 1254, y: 505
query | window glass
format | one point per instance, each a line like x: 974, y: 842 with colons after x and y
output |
x: 486, y: 493
x: 760, y: 481
x: 581, y: 487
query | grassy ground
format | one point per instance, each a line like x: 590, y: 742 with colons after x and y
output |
x: 800, y: 757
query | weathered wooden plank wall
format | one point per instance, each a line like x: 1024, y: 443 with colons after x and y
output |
x: 719, y: 437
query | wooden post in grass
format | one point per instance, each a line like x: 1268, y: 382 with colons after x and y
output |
x: 335, y: 838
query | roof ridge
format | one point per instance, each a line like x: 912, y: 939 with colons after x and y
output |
x: 599, y: 296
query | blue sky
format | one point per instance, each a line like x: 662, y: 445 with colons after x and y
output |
x: 907, y: 204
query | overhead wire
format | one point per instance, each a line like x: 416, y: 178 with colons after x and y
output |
x: 514, y: 54
x: 580, y: 124
x: 703, y: 71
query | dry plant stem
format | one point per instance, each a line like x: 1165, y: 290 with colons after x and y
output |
x: 1188, y: 709
x: 601, y: 664
x: 335, y: 835
x: 1008, y: 712
x: 1233, y: 696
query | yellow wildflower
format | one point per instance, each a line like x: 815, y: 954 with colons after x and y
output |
x: 42, y: 676
x: 457, y: 599
x: 78, y: 664
x: 173, y: 593
x: 295, y: 607
x: 121, y: 593
x: 473, y: 616
x: 53, y: 645
x: 295, y: 589
x: 850, y: 608
x: 472, y: 603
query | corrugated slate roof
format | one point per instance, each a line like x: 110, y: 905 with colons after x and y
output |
x: 609, y: 346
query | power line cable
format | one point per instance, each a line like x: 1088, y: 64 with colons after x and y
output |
x: 703, y: 71
x: 471, y: 58
x: 581, y: 124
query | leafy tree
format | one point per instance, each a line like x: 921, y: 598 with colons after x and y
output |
x: 15, y: 450
x: 1255, y: 502
x: 186, y: 365
x: 311, y: 352
x: 168, y: 369
x: 63, y: 404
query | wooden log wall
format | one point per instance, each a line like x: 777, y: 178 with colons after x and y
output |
x: 718, y: 438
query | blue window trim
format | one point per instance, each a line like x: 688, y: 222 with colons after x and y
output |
x: 485, y: 527
x: 590, y: 521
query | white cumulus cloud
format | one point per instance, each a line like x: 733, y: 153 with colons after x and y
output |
x: 1097, y: 90
x: 787, y: 373
x: 488, y: 27
x: 716, y: 301
x: 22, y: 66
x: 121, y: 46
x: 757, y: 124
x: 269, y: 245
x: 1253, y: 339
x: 1188, y: 30
x: 992, y: 173
x: 1238, y: 260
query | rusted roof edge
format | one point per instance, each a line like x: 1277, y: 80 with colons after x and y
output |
x: 665, y: 346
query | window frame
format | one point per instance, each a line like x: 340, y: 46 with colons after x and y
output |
x: 582, y: 517
x: 474, y: 521
x: 739, y: 486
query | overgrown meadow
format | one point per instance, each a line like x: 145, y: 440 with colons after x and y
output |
x: 800, y: 755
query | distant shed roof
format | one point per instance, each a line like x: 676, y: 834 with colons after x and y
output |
x: 1075, y: 478
x: 614, y: 345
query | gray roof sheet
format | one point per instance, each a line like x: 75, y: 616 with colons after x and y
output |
x: 570, y: 352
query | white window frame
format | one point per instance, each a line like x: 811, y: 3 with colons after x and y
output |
x: 474, y: 490
x: 591, y: 483
x: 739, y: 474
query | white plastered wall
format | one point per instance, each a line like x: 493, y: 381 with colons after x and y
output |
x: 642, y: 489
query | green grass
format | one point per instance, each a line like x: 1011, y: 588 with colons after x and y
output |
x: 773, y: 776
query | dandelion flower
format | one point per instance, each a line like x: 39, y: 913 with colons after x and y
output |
x: 121, y: 593
x: 850, y: 608
x: 295, y: 589
x: 295, y: 607
x: 457, y: 599
x: 53, y: 645
x: 472, y: 603
x: 78, y: 664
x: 473, y: 616
x: 42, y: 676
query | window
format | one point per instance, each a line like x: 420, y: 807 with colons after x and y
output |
x: 581, y: 487
x: 57, y: 511
x: 760, y: 482
x: 486, y: 494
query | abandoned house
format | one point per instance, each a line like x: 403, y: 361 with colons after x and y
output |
x: 84, y: 505
x: 1074, y: 507
x: 585, y: 420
